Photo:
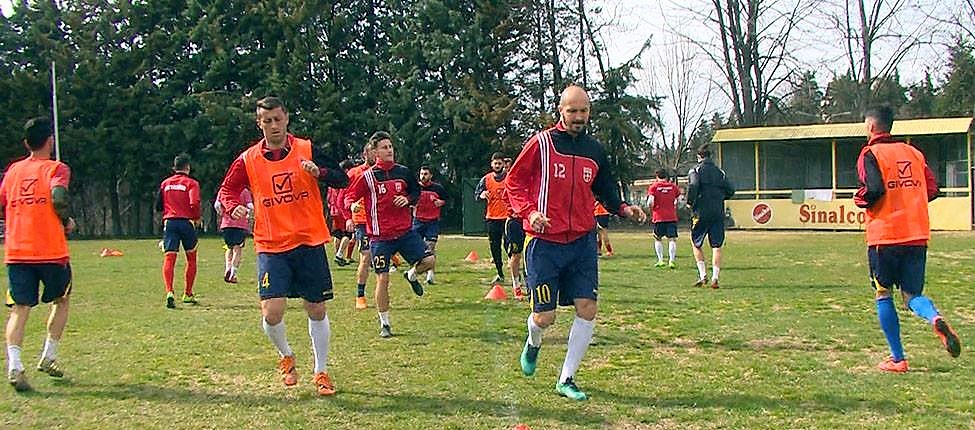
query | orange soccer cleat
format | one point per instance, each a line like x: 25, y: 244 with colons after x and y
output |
x: 324, y: 384
x: 889, y: 365
x: 360, y: 303
x: 948, y: 336
x: 288, y: 373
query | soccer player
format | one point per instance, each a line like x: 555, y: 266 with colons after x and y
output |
x: 489, y: 189
x: 342, y: 238
x: 355, y: 216
x: 388, y: 190
x: 895, y: 188
x: 290, y: 232
x: 708, y: 187
x: 234, y: 233
x: 179, y: 202
x: 662, y: 200
x: 602, y: 230
x: 514, y: 245
x: 551, y: 186
x: 34, y: 202
x: 426, y: 214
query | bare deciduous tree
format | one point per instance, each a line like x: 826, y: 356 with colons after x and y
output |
x: 751, y: 44
x: 897, y: 25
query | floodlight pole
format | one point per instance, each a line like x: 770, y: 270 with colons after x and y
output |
x: 54, y: 106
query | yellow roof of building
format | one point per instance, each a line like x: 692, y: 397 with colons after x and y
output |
x: 910, y: 127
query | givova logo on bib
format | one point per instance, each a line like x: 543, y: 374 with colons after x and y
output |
x: 283, y: 188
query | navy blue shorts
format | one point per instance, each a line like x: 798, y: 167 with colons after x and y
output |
x: 301, y: 272
x: 898, y: 266
x: 713, y: 230
x: 176, y: 231
x: 602, y: 221
x: 428, y: 230
x: 514, y: 236
x: 233, y: 236
x: 362, y: 237
x: 669, y: 229
x: 560, y: 273
x: 409, y: 245
x: 25, y: 282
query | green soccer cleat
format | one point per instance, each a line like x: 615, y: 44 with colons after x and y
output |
x: 170, y: 301
x: 51, y: 367
x: 672, y: 265
x: 189, y: 299
x: 570, y: 390
x: 18, y: 380
x: 529, y: 359
x: 660, y: 265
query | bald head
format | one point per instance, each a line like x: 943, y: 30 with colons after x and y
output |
x: 574, y: 108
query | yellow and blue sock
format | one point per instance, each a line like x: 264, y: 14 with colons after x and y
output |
x: 924, y: 308
x: 891, y: 326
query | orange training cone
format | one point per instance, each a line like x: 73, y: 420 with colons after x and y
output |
x: 472, y: 257
x: 496, y: 293
x: 521, y: 427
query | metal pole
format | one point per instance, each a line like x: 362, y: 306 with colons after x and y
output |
x: 54, y: 106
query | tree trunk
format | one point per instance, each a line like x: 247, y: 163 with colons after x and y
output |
x: 554, y: 43
x: 116, y: 210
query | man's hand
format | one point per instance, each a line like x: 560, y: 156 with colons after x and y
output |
x: 197, y: 223
x: 349, y: 226
x: 240, y: 211
x: 484, y: 195
x: 70, y: 226
x: 310, y: 167
x: 355, y: 207
x: 439, y: 203
x: 539, y: 222
x: 634, y: 212
x: 401, y: 201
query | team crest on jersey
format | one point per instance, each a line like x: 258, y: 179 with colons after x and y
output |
x: 399, y: 187
x: 587, y: 174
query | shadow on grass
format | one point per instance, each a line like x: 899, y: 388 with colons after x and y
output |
x: 752, y: 402
x: 378, y: 403
x: 454, y: 406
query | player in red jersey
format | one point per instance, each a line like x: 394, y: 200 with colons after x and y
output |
x: 426, y: 213
x: 179, y: 202
x: 662, y: 201
x: 234, y: 233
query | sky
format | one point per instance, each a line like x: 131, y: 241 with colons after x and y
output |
x: 6, y: 7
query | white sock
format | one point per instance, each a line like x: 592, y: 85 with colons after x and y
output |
x: 384, y: 318
x: 50, y: 348
x: 714, y: 272
x: 320, y: 331
x: 534, y: 332
x: 579, y: 337
x: 658, y: 246
x: 278, y: 337
x: 411, y: 274
x: 13, y: 358
x: 702, y: 270
x: 673, y: 250
x: 429, y: 275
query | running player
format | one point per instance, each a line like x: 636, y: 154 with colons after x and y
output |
x: 662, y: 201
x: 290, y: 233
x: 179, y: 202
x: 895, y: 188
x: 387, y: 191
x: 355, y: 216
x: 489, y: 189
x: 602, y: 230
x: 707, y: 189
x: 234, y: 233
x: 34, y: 203
x: 426, y: 214
x: 341, y: 238
x: 551, y: 186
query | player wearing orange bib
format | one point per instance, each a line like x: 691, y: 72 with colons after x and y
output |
x: 895, y: 188
x: 290, y: 232
x: 496, y: 214
x: 355, y: 215
x: 34, y: 201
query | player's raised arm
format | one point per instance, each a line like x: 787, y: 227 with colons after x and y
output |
x: 524, y: 173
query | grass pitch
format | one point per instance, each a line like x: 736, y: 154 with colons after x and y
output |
x: 790, y: 341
